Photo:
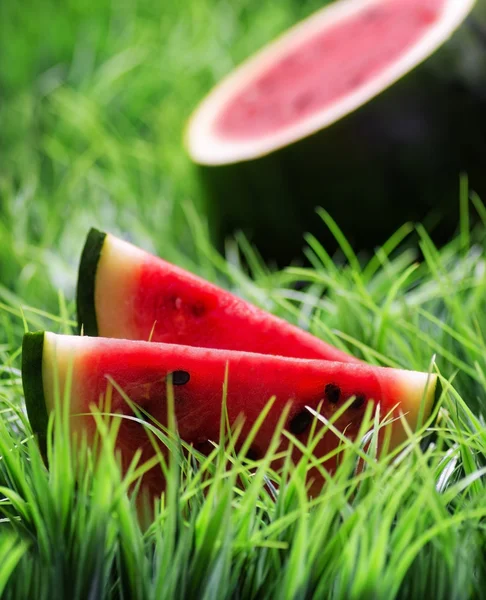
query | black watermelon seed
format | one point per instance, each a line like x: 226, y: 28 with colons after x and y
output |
x: 180, y: 377
x: 358, y: 403
x: 300, y: 422
x: 253, y: 454
x: 203, y: 446
x: 198, y: 309
x: 333, y: 393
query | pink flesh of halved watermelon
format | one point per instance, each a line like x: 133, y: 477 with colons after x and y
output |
x: 141, y: 297
x: 141, y: 370
x: 327, y: 67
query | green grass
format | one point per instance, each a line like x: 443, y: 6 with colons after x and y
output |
x: 93, y: 99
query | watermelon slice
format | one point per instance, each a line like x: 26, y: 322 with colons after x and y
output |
x: 141, y: 369
x: 368, y: 108
x: 124, y: 292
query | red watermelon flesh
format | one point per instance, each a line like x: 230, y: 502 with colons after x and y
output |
x: 327, y: 66
x: 141, y: 370
x: 135, y: 295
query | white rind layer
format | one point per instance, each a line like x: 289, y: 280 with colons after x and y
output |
x: 207, y: 147
x: 115, y: 284
x: 59, y: 354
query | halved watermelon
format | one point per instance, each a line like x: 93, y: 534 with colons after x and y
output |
x: 124, y: 292
x: 368, y: 108
x: 141, y: 369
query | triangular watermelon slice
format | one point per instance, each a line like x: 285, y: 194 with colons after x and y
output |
x: 125, y: 292
x: 141, y: 369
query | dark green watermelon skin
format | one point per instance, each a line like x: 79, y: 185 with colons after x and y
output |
x: 398, y: 158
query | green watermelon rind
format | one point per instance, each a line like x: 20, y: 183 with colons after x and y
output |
x: 85, y: 293
x: 32, y: 380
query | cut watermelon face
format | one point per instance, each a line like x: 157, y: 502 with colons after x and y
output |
x: 124, y: 292
x: 318, y: 72
x: 141, y: 370
x: 326, y: 68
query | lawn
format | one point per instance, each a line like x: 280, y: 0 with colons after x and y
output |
x: 93, y: 100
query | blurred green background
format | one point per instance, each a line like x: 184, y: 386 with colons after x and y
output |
x: 94, y: 96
